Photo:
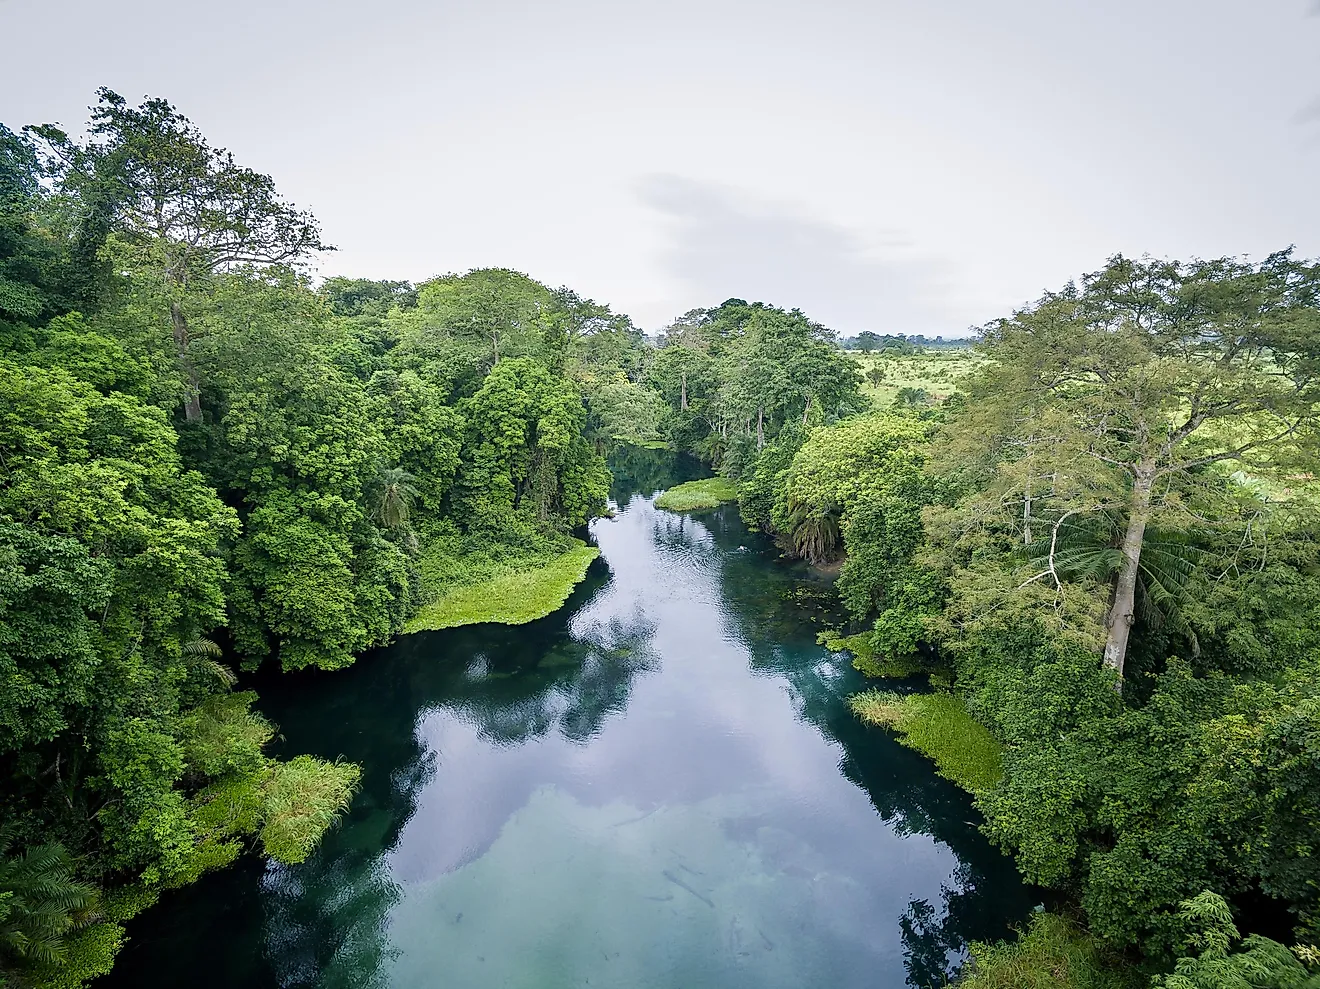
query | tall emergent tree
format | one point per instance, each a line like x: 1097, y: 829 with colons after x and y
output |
x: 1130, y: 395
x: 148, y: 175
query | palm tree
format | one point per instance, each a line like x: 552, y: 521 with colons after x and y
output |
x: 1079, y: 547
x: 40, y: 902
x: 204, y: 654
x: 813, y: 531
x: 395, y: 497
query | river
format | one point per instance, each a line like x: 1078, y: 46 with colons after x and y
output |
x: 657, y: 786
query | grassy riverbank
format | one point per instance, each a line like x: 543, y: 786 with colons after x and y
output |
x: 511, y: 591
x: 939, y: 727
x: 1052, y: 953
x: 696, y: 496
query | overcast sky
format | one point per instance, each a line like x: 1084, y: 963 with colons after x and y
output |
x: 915, y: 166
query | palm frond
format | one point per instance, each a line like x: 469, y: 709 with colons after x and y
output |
x: 1086, y: 547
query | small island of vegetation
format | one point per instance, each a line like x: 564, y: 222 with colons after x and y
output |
x: 697, y: 496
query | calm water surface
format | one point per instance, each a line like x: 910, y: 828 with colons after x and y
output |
x: 658, y: 786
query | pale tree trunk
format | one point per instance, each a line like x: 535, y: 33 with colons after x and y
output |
x: 1026, y: 515
x: 192, y: 402
x: 760, y: 429
x: 807, y: 410
x: 1122, y: 614
x: 682, y: 398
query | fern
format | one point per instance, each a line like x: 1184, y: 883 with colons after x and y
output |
x: 40, y: 902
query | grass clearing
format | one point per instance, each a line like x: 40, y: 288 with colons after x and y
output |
x: 939, y: 727
x: 696, y: 496
x: 936, y: 372
x: 512, y: 591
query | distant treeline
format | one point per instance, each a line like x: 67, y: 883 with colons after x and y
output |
x: 902, y: 343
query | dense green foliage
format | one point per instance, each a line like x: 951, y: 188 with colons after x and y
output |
x: 1215, y: 961
x: 1100, y: 529
x: 1109, y: 540
x: 735, y: 377
x: 207, y: 463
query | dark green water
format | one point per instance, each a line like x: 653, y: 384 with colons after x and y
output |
x: 658, y: 786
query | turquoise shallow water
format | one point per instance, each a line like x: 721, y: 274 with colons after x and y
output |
x: 658, y: 786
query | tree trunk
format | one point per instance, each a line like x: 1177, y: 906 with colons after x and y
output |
x: 192, y: 402
x: 760, y: 429
x: 1026, y: 515
x: 1122, y: 613
x: 682, y: 398
x: 807, y: 410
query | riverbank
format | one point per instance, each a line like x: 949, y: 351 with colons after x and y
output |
x: 1053, y: 950
x: 511, y: 591
x: 940, y: 728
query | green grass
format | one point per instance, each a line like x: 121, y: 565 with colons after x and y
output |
x: 935, y: 371
x: 939, y: 727
x: 303, y: 799
x: 513, y: 591
x: 1053, y: 953
x: 695, y: 496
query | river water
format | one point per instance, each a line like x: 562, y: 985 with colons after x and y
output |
x: 657, y: 786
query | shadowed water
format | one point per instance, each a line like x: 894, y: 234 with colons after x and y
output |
x: 658, y: 786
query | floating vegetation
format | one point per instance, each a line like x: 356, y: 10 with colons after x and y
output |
x: 866, y: 659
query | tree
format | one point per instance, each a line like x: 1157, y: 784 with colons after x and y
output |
x: 525, y: 455
x: 36, y: 278
x: 495, y: 309
x: 365, y: 297
x: 395, y: 497
x: 148, y: 174
x: 1123, y: 394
